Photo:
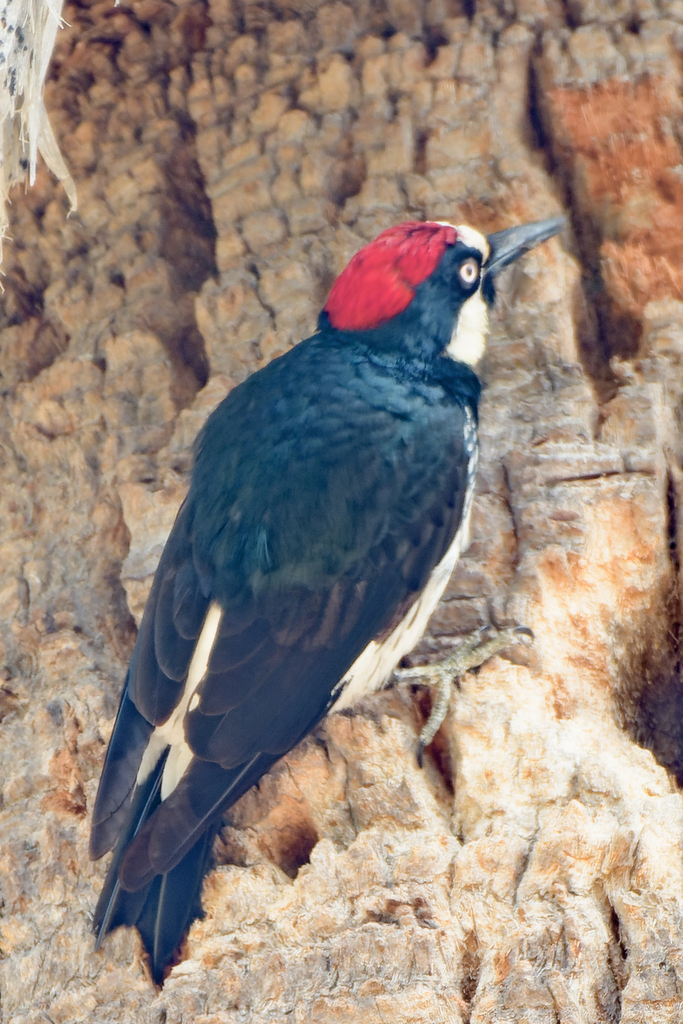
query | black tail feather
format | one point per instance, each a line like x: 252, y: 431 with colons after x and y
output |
x: 112, y: 806
x: 173, y: 903
x: 116, y: 906
x: 164, y: 909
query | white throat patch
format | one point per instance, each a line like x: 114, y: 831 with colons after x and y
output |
x: 468, y: 341
x: 469, y: 336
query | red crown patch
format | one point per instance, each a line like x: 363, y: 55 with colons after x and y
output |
x: 380, y: 280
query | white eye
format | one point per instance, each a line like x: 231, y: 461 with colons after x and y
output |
x: 469, y: 272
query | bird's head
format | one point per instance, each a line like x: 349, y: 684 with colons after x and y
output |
x: 424, y: 289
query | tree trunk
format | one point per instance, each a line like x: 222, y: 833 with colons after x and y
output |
x: 229, y: 159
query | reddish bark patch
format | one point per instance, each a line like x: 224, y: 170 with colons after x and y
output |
x: 617, y: 140
x: 68, y: 797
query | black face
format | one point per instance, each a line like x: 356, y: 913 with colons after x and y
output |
x: 424, y: 328
x: 459, y: 273
x: 488, y: 290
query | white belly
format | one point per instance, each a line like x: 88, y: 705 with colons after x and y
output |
x: 375, y: 665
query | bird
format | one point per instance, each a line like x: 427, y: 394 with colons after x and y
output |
x: 329, y: 502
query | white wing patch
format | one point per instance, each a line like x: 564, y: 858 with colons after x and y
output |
x: 374, y: 666
x: 172, y: 732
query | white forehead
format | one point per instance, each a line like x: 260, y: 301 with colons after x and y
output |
x: 472, y: 238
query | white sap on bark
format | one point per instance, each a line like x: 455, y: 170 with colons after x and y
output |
x: 27, y: 35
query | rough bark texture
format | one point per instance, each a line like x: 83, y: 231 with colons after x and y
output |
x: 229, y: 158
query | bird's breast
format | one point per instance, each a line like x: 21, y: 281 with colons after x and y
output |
x: 373, y: 668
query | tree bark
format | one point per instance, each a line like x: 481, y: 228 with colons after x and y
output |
x: 229, y: 159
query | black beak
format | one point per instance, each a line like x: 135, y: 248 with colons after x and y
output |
x: 508, y: 245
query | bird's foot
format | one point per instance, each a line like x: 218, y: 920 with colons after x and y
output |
x: 472, y: 651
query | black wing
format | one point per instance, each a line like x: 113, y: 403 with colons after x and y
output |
x: 325, y: 490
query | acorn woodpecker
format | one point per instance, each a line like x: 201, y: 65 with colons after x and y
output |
x: 329, y: 503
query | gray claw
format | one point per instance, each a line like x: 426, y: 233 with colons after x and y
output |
x: 471, y: 652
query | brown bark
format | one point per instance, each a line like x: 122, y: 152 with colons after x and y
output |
x: 229, y: 159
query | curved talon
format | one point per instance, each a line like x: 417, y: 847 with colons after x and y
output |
x: 442, y: 698
x: 471, y: 652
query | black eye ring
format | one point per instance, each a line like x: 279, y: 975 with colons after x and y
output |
x: 469, y: 272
